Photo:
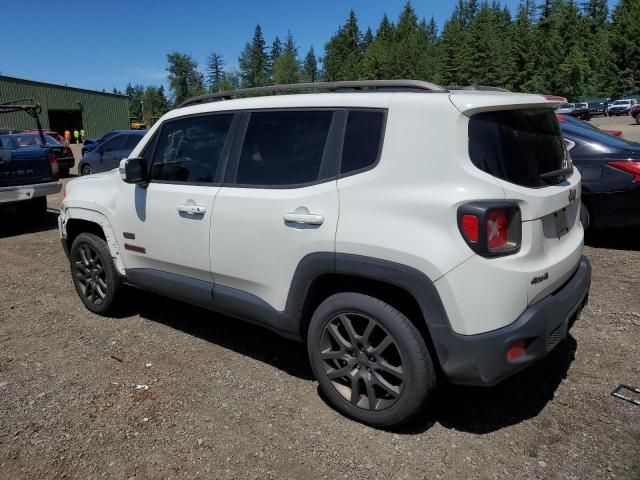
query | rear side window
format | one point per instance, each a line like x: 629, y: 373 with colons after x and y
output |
x: 189, y: 149
x: 283, y: 148
x: 362, y: 140
x: 517, y: 145
x: 114, y: 144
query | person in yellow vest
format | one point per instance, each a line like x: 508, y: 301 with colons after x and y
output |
x: 82, y: 135
x: 67, y: 136
x: 76, y: 135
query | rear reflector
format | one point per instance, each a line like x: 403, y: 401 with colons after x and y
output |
x: 470, y: 227
x: 515, y: 351
x: 632, y: 167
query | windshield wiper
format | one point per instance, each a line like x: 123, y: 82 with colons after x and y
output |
x: 563, y: 172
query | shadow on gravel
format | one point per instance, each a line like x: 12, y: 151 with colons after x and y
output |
x: 242, y: 337
x: 483, y: 410
x: 468, y: 409
x: 614, y: 238
x: 11, y: 224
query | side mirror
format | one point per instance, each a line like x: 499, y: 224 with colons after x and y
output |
x: 5, y: 156
x: 134, y: 170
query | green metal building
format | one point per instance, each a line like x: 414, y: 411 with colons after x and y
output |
x: 64, y: 107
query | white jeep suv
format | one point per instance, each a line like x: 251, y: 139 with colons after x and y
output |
x: 406, y: 232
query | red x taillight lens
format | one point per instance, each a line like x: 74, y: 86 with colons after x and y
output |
x: 491, y: 228
x: 53, y: 161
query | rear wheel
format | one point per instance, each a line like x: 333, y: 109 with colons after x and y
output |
x: 86, y: 169
x: 371, y: 362
x: 95, y: 277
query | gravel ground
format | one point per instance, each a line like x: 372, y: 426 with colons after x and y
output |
x: 166, y: 390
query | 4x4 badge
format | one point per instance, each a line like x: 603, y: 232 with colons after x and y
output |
x: 540, y: 279
x: 573, y: 193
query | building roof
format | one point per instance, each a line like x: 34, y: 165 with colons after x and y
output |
x: 56, y: 85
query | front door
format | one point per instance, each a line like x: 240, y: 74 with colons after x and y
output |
x: 166, y: 226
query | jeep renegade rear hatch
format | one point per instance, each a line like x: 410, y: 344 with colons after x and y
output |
x: 523, y: 146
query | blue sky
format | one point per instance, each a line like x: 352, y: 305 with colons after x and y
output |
x: 99, y: 44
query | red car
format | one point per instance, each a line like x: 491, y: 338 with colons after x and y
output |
x: 635, y: 112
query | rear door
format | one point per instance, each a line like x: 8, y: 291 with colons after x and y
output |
x: 524, y: 149
x: 278, y: 204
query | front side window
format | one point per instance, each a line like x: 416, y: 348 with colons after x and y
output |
x: 132, y: 141
x: 283, y: 148
x: 190, y: 149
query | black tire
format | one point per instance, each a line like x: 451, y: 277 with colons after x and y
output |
x: 585, y: 216
x: 85, y: 169
x: 34, y: 208
x: 392, y: 383
x: 94, y: 274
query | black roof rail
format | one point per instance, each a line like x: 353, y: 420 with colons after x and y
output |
x: 28, y: 105
x: 388, y: 85
x: 479, y: 88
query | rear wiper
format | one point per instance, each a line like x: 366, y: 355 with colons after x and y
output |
x: 557, y: 173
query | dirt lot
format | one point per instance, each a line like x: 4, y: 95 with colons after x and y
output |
x: 171, y: 391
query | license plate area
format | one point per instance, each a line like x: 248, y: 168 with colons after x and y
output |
x: 561, y: 223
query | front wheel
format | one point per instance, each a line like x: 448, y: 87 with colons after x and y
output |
x: 86, y: 169
x: 95, y: 277
x: 371, y: 362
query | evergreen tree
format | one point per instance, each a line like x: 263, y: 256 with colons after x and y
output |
x: 343, y: 52
x: 184, y: 78
x: 286, y: 68
x: 378, y: 61
x: 274, y: 53
x: 455, y: 50
x: 215, y: 71
x: 367, y: 38
x: 310, y: 67
x: 254, y: 61
x: 625, y: 45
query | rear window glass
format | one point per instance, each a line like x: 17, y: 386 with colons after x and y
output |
x: 362, y: 140
x: 517, y: 145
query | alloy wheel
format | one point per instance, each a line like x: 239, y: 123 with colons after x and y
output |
x: 90, y: 274
x: 362, y: 361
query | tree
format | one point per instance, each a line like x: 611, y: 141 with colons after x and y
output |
x: 215, y: 71
x: 254, y: 61
x: 343, y: 52
x: 625, y: 45
x: 276, y: 51
x: 184, y: 78
x: 286, y: 68
x: 310, y: 67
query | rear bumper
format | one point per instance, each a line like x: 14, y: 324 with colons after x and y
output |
x: 26, y: 192
x: 481, y: 359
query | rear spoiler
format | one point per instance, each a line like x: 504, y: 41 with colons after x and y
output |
x: 469, y: 102
x: 31, y: 107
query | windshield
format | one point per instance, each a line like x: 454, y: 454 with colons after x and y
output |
x: 598, y: 136
x: 518, y: 145
x: 622, y: 102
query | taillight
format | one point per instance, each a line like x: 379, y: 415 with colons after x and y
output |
x: 497, y: 225
x: 470, y: 227
x: 53, y: 161
x: 629, y: 166
x: 491, y: 228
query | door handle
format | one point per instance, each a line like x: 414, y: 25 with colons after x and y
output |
x: 192, y: 209
x: 305, y: 218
